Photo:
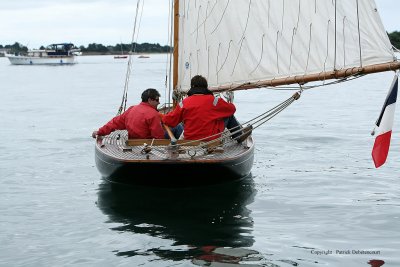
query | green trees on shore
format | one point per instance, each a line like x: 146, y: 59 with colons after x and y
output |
x: 125, y: 48
x: 16, y: 47
x: 395, y: 39
x: 95, y: 48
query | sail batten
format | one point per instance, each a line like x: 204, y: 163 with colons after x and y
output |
x: 236, y: 42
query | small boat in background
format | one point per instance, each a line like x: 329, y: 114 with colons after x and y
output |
x: 54, y: 54
x: 143, y: 56
x: 121, y: 56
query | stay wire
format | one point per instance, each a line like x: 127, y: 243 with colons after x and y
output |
x: 122, y: 107
x: 171, y: 48
x: 257, y: 122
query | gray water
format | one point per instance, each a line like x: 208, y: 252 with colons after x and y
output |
x: 313, y: 195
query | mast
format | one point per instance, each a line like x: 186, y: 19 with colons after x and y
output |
x: 176, y: 48
x: 302, y: 79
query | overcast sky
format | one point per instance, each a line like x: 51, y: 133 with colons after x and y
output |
x: 41, y: 22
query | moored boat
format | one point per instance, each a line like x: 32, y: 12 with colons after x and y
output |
x: 121, y: 56
x: 54, y: 54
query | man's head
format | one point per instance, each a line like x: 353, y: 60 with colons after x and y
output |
x: 151, y: 96
x: 199, y: 86
x: 198, y: 81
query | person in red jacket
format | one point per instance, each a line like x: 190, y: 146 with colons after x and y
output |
x: 142, y: 121
x: 203, y: 115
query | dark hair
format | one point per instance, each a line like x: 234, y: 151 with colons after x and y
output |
x: 198, y: 81
x: 199, y: 85
x: 150, y: 93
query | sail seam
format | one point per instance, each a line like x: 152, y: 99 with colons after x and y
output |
x: 277, y: 52
x: 334, y: 57
x: 242, y: 38
x: 197, y: 21
x: 359, y: 33
x: 291, y: 49
x: 222, y: 16
x: 226, y: 57
x: 207, y: 16
x: 262, y: 52
x: 309, y: 48
x: 283, y: 15
x: 327, y: 46
x: 344, y: 41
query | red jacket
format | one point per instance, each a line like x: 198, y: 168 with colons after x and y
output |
x: 142, y: 121
x: 202, y: 116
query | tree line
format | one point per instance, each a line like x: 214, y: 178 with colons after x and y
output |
x: 102, y: 49
x: 395, y: 39
x: 141, y: 48
x: 125, y: 48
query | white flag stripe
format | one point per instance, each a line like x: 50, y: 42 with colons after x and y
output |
x: 387, y: 119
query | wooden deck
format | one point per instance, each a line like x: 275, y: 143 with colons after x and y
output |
x: 160, y: 165
x: 118, y: 146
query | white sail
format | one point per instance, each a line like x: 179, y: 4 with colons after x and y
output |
x: 232, y: 42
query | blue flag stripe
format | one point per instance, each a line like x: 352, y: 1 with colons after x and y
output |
x: 390, y: 99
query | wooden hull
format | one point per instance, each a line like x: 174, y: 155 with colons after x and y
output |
x: 184, y: 172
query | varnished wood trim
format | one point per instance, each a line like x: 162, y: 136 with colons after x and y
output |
x: 302, y: 79
x: 176, y: 48
x: 165, y: 142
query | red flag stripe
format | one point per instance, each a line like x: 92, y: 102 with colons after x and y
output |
x: 381, y: 148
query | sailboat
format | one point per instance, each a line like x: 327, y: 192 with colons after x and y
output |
x: 122, y: 54
x: 245, y: 45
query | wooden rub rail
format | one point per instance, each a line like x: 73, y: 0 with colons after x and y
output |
x: 302, y: 79
x: 165, y: 142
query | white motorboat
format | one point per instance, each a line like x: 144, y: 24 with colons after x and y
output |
x: 54, y: 54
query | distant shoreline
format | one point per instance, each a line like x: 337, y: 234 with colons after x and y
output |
x: 99, y: 49
x: 119, y: 54
x: 112, y: 54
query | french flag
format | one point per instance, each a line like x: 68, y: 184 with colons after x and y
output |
x: 385, y: 124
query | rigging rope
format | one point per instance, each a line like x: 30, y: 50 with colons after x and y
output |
x: 168, y: 67
x: 260, y: 119
x: 122, y: 107
x: 251, y: 124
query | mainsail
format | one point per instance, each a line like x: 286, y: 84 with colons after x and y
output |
x: 252, y: 43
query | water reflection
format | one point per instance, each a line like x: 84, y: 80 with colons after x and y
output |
x: 376, y: 263
x: 210, y: 224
